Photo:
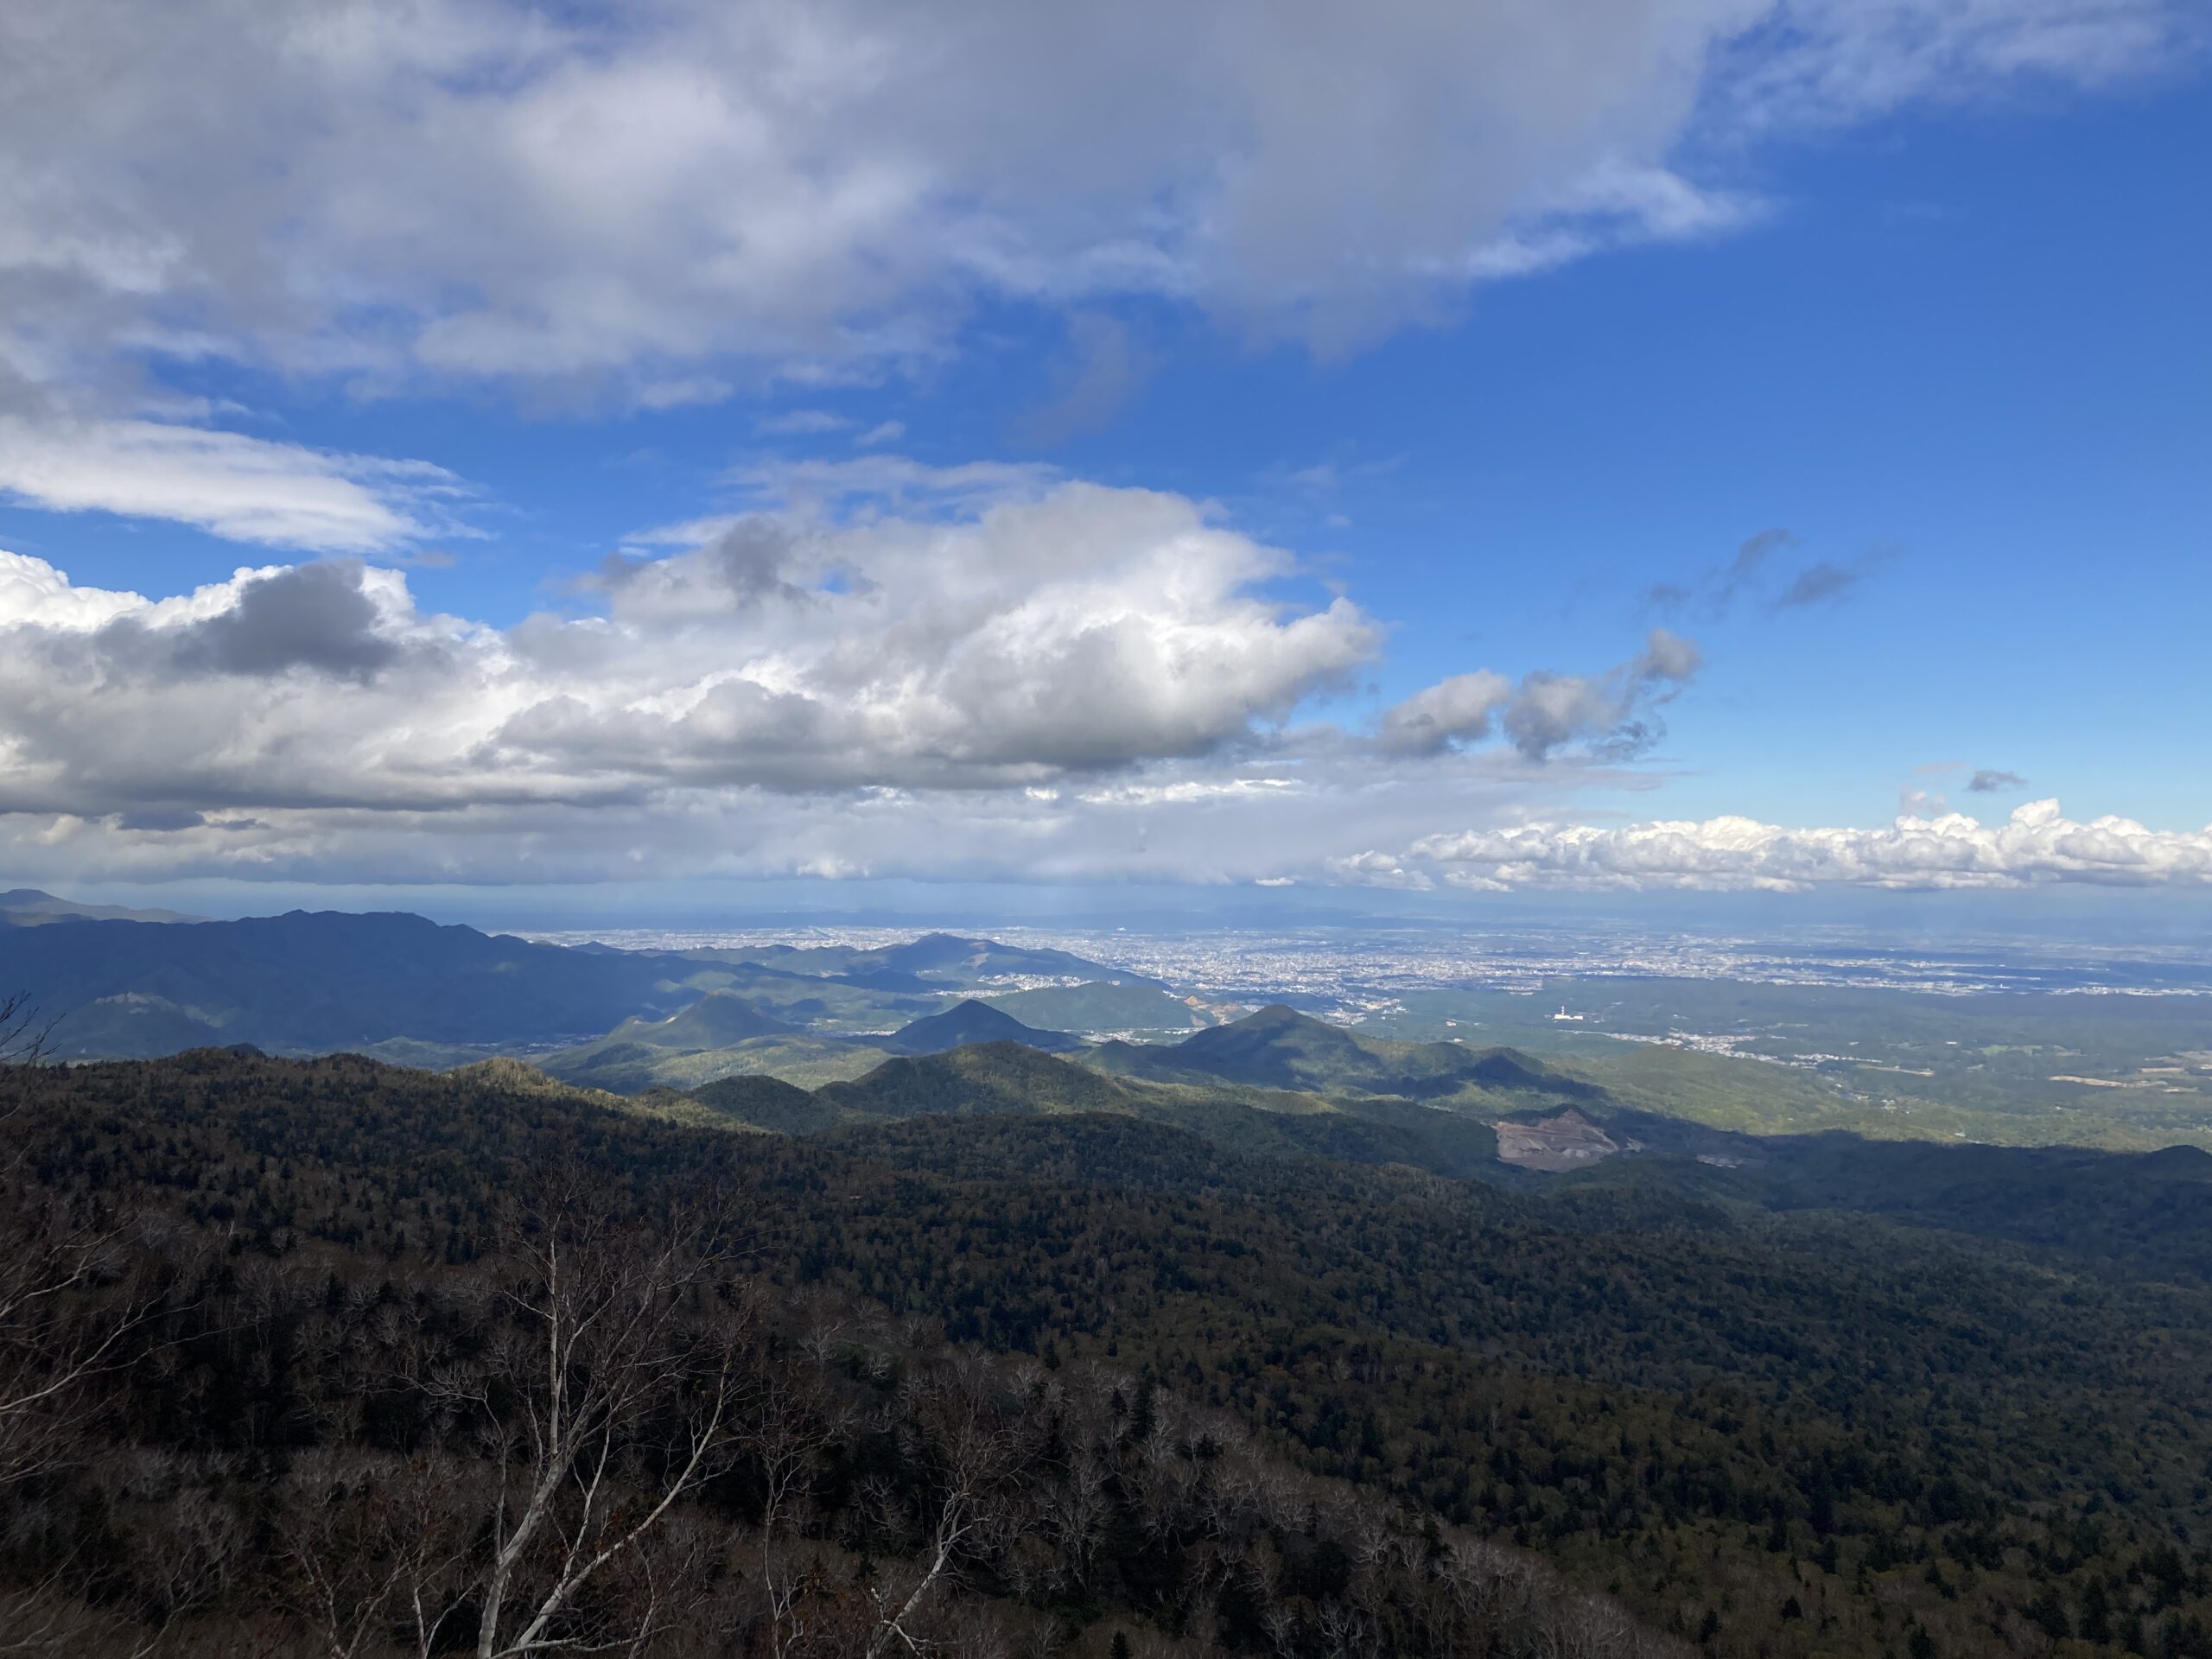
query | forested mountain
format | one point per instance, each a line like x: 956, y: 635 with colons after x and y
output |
x: 300, y: 1409
x: 317, y: 982
x: 1278, y: 1047
x: 971, y: 1021
x: 1767, y: 1434
x: 410, y: 990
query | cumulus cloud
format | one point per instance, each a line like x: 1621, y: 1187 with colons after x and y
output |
x: 1062, y: 680
x: 646, y: 199
x: 2037, y: 846
x: 1374, y: 869
x: 1453, y: 712
x: 1987, y: 780
x: 1083, y: 632
x: 317, y: 617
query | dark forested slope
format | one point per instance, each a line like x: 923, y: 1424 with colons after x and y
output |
x: 1767, y: 1434
x: 317, y: 982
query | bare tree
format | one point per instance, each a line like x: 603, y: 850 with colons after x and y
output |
x: 53, y: 1250
x: 380, y: 1545
x: 23, y: 1037
x: 976, y: 1454
x: 613, y: 1388
x: 52, y: 1342
x: 792, y: 1428
x: 614, y: 1398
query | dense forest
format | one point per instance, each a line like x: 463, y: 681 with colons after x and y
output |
x: 283, y: 1368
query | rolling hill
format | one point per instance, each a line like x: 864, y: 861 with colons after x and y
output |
x: 968, y: 1023
x: 1280, y: 1048
x: 1097, y: 1006
x: 715, y: 1020
x: 1011, y: 1079
x: 982, y: 1079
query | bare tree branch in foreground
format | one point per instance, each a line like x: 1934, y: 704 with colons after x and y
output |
x: 612, y: 1392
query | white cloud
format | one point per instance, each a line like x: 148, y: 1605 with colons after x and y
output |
x: 1083, y: 632
x: 1053, y: 681
x: 2037, y: 846
x: 1832, y: 61
x: 666, y: 200
x: 1373, y: 869
x: 242, y: 488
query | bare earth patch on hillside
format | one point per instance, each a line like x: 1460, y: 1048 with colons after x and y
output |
x: 1564, y: 1140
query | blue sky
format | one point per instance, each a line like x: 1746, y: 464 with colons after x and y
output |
x: 1943, y: 345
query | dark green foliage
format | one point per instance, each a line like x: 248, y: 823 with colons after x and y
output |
x: 1119, y: 1004
x: 982, y: 1079
x: 1281, y: 1048
x: 1722, y: 1409
x: 768, y: 1104
x: 970, y: 1022
x: 2145, y: 1213
x: 307, y: 1405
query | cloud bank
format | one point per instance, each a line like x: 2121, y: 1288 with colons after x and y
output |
x: 991, y: 670
x: 678, y: 201
x: 2037, y: 846
x: 610, y: 200
x: 1069, y: 682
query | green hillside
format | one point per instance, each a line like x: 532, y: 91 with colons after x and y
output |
x: 1278, y: 1047
x: 985, y: 1078
x: 1099, y: 1006
x: 631, y: 1068
x: 718, y: 1019
x: 970, y: 1022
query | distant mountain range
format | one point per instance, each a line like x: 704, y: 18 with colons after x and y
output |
x: 785, y: 1039
x: 320, y: 981
x: 845, y: 1028
x: 133, y: 984
x: 940, y: 958
x: 28, y: 907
